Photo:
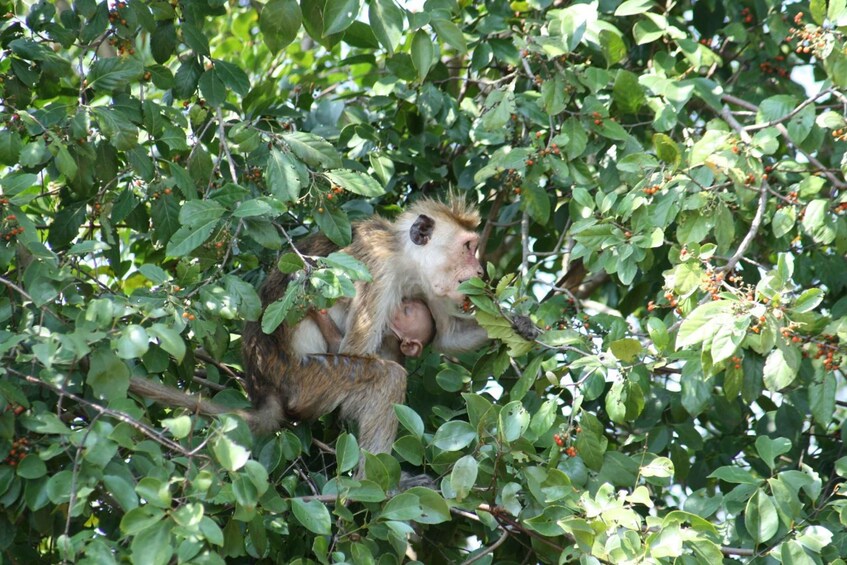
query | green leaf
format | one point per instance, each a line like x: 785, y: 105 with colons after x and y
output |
x: 760, y: 517
x: 281, y: 176
x: 702, y: 323
x: 627, y: 93
x: 463, y: 476
x: 822, y: 399
x: 31, y: 467
x: 667, y: 149
x: 133, y: 342
x: 514, y: 421
x: 355, y: 182
x: 179, y: 427
x: 169, y: 339
x: 312, y: 515
x: 338, y: 15
x: 277, y: 311
x: 346, y: 452
x: 818, y: 10
x: 387, y: 19
x: 626, y: 349
x: 187, y: 239
x: 634, y: 7
x: 279, y: 23
x: 808, y: 300
x: 229, y: 454
x: 454, y: 436
x: 212, y: 88
x: 423, y: 53
x: 783, y: 221
x: 335, y: 224
x: 195, y: 39
x: 735, y: 475
x: 313, y: 150
x: 108, y: 376
x: 769, y: 449
x: 233, y: 76
x: 354, y: 268
x: 781, y: 368
x: 195, y: 213
x: 450, y: 34
x: 409, y: 419
x: 10, y: 147
x: 290, y: 263
x: 114, y: 73
x: 536, y: 202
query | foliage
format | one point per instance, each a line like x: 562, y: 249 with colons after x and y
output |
x: 677, y: 167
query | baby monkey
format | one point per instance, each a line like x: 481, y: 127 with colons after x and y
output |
x: 411, y: 324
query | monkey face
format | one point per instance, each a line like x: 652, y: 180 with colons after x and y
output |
x: 448, y: 258
x: 441, y: 245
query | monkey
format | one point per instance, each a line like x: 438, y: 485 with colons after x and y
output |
x: 427, y: 252
x: 412, y: 327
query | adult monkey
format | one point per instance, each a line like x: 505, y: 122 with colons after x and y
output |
x: 427, y: 251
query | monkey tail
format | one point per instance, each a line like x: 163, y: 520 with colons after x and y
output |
x: 265, y: 419
x: 170, y: 396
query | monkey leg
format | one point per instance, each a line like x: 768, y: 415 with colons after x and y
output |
x: 365, y: 388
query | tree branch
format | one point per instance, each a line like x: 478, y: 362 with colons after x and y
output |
x: 122, y: 416
x: 838, y: 183
x: 791, y: 114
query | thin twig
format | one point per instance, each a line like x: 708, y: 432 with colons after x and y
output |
x: 752, y: 232
x: 490, y: 549
x: 225, y: 145
x: 791, y: 114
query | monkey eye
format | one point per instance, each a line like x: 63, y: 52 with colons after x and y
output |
x: 468, y: 245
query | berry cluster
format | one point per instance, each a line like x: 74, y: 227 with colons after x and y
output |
x: 20, y: 448
x: 757, y: 327
x: 812, y: 39
x: 840, y: 134
x: 333, y: 191
x: 510, y: 179
x: 189, y: 316
x: 789, y: 335
x: 747, y: 16
x: 598, y: 118
x: 712, y: 282
x: 9, y: 228
x: 736, y: 362
x: 651, y: 190
x: 156, y: 195
x: 769, y: 68
x: 254, y: 174
x: 562, y: 439
x: 828, y: 350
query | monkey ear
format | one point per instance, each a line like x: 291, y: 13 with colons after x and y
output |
x: 421, y: 230
x: 411, y: 347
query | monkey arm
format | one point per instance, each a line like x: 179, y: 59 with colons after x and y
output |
x: 369, y: 315
x: 329, y: 330
x: 454, y: 333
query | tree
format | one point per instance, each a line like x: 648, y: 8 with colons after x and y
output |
x: 663, y: 188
